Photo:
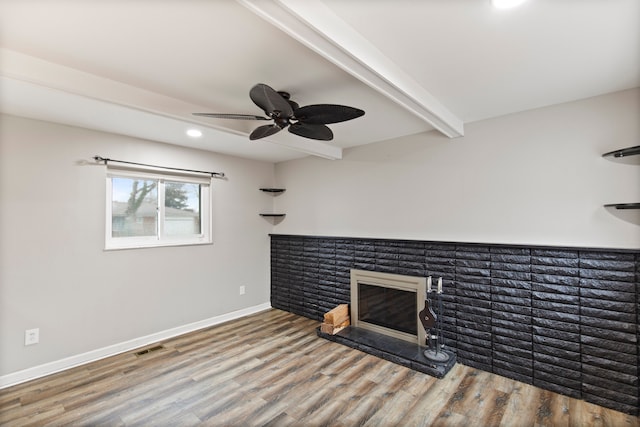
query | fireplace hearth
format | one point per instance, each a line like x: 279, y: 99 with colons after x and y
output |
x: 392, y: 349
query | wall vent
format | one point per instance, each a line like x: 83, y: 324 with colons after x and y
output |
x: 149, y: 350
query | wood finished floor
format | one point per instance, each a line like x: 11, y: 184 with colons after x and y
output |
x: 271, y: 369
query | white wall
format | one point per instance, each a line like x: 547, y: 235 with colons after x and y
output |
x: 535, y: 177
x: 55, y: 275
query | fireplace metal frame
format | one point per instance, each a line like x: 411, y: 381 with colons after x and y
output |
x: 394, y: 281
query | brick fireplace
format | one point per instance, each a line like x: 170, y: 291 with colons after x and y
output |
x: 563, y: 319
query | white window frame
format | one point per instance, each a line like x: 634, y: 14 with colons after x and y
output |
x: 160, y: 240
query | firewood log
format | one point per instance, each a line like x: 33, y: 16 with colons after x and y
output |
x: 334, y: 329
x: 337, y: 315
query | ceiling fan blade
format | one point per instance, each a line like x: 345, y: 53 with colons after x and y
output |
x: 231, y: 116
x: 264, y: 131
x: 270, y: 101
x: 313, y: 131
x: 326, y: 113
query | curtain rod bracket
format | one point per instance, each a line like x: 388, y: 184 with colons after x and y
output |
x: 100, y: 159
x: 105, y: 160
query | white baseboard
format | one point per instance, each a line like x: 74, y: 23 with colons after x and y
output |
x: 91, y: 356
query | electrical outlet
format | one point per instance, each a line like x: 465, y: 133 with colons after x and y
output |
x: 242, y: 290
x: 32, y: 336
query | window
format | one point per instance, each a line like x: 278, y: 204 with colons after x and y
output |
x: 150, y: 209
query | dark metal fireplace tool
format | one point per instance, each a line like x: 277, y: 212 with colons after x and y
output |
x: 432, y: 323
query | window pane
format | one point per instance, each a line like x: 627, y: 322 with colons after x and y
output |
x: 182, y: 209
x: 134, y: 207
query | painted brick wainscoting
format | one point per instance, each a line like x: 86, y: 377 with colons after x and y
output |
x: 563, y: 319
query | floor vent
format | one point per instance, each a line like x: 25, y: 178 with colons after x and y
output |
x: 149, y: 350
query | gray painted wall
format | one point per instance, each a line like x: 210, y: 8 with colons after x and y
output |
x: 534, y: 178
x: 55, y: 275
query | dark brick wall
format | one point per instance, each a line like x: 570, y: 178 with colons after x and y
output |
x: 565, y: 320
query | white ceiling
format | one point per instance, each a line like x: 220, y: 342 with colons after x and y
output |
x: 140, y: 68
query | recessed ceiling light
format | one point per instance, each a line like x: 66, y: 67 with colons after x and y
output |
x: 506, y: 4
x: 194, y: 133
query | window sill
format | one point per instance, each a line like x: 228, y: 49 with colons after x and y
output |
x: 157, y: 244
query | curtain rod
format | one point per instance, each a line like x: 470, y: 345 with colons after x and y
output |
x: 105, y: 160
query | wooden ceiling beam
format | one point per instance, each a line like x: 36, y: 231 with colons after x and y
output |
x: 313, y: 24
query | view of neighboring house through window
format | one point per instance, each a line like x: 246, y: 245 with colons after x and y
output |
x: 156, y: 210
x: 182, y: 209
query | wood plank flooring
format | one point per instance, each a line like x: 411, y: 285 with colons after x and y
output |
x: 270, y: 369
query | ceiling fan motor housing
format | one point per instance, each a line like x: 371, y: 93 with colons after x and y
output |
x: 281, y: 122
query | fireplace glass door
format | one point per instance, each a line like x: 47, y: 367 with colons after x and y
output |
x: 387, y: 307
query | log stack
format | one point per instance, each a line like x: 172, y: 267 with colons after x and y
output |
x: 336, y: 320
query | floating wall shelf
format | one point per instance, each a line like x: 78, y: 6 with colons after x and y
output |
x: 273, y: 190
x: 623, y: 205
x: 623, y: 152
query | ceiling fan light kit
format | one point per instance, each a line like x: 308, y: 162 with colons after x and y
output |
x: 309, y: 121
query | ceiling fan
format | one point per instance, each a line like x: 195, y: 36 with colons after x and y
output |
x: 309, y: 121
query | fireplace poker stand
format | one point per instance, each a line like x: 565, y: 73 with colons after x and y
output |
x: 432, y: 321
